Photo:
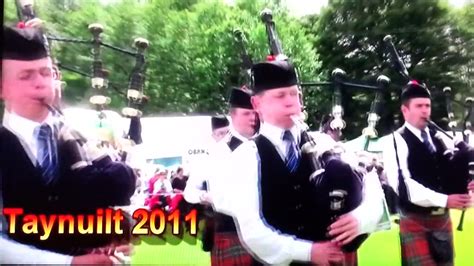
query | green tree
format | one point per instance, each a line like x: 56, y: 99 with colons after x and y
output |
x: 10, y: 13
x: 203, y: 59
x: 192, y: 59
x: 464, y: 18
x: 350, y: 33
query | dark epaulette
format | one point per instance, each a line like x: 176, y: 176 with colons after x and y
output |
x: 233, y: 142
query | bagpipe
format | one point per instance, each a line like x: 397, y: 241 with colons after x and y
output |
x: 246, y: 59
x: 276, y: 50
x: 459, y: 161
x: 246, y: 66
x: 99, y: 78
x: 461, y: 165
x: 468, y: 120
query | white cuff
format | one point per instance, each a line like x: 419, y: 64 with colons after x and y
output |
x: 193, y: 195
x: 358, y: 214
x: 301, y: 250
x: 441, y: 200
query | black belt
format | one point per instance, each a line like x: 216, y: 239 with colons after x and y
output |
x: 412, y: 208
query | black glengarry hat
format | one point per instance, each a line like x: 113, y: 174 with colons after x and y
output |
x: 25, y: 44
x: 219, y: 122
x: 413, y: 89
x: 273, y: 75
x: 239, y: 99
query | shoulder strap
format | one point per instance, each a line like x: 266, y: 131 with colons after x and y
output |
x: 402, y: 187
x: 233, y: 143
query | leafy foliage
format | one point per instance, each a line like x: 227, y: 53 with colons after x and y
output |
x: 350, y: 36
x: 193, y: 59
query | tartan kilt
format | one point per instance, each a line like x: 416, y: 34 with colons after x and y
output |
x: 413, y: 237
x: 228, y: 250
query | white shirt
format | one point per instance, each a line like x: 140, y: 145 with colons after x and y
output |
x: 198, y: 175
x: 6, y: 114
x: 417, y: 133
x: 210, y: 171
x: 12, y: 252
x: 27, y: 132
x: 265, y: 242
x: 222, y: 161
x: 275, y: 135
x: 419, y: 194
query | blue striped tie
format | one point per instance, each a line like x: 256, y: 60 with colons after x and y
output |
x: 427, y: 142
x: 292, y: 154
x: 47, y: 155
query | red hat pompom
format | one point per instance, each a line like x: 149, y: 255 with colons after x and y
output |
x: 21, y: 25
x: 270, y: 57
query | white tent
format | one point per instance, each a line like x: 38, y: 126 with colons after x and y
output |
x: 358, y: 144
x: 169, y: 139
x: 87, y: 121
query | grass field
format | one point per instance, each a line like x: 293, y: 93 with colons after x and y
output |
x: 382, y: 248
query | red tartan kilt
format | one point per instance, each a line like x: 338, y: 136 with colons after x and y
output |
x: 413, y: 237
x: 228, y: 251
